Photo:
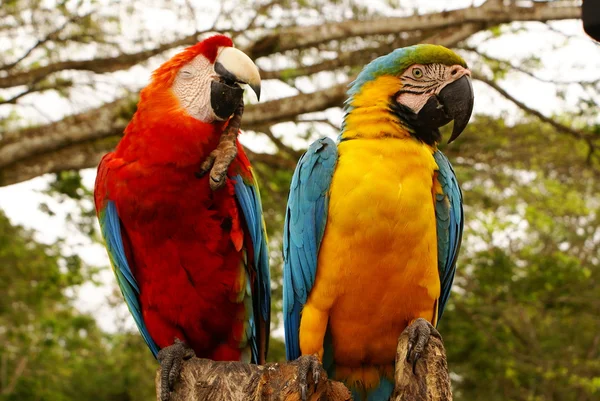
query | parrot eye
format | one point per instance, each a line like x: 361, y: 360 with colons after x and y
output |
x: 417, y: 73
x: 186, y: 73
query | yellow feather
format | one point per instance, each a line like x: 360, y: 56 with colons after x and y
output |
x: 377, y: 267
x: 370, y: 117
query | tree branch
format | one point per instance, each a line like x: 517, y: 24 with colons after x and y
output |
x: 98, y: 65
x: 301, y: 37
x: 275, y: 162
x: 73, y: 157
x: 38, y: 87
x: 101, y: 122
x: 510, y: 66
x: 261, y: 10
x: 558, y: 126
x: 27, y: 146
x: 203, y: 379
x: 344, y: 59
x: 51, y: 36
x: 112, y: 118
x: 278, y: 143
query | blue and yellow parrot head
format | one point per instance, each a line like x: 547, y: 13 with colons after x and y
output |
x: 421, y: 87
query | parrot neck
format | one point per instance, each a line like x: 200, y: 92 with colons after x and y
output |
x: 368, y: 111
x: 372, y: 122
x: 163, y: 133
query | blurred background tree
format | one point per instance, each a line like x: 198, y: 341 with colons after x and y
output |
x: 523, y: 321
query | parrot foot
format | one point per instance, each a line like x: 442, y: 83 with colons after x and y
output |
x: 308, y: 364
x: 171, y: 360
x: 219, y: 160
x: 418, y: 337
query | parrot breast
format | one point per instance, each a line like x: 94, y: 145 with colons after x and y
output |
x: 378, y: 258
x: 187, y: 245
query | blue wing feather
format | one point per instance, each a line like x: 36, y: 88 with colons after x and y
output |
x: 248, y: 197
x: 305, y: 221
x: 111, y: 231
x: 449, y: 218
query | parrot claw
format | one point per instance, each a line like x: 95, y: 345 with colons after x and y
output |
x: 171, y: 360
x: 418, y: 338
x: 308, y: 364
x: 219, y: 160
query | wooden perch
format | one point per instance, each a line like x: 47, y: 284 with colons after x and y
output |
x: 431, y: 382
x: 206, y: 380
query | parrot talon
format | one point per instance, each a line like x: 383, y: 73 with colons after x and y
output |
x: 220, y: 159
x: 408, y: 351
x: 414, y: 364
x: 171, y: 360
x: 418, y: 337
x: 308, y: 364
x: 206, y: 165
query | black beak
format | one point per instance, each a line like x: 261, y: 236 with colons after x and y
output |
x: 458, y: 99
x: 233, y: 68
x: 225, y: 95
x: 224, y: 98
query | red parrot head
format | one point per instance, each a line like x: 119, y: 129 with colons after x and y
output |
x: 204, y: 80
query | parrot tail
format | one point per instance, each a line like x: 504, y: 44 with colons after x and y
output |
x: 382, y: 392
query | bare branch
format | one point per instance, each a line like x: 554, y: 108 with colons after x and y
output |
x: 447, y: 37
x: 21, y: 365
x: 203, y: 379
x: 73, y: 157
x: 275, y: 162
x: 36, y: 88
x: 13, y: 100
x: 277, y: 142
x: 51, y: 36
x: 305, y: 36
x: 566, y: 35
x: 35, y: 146
x: 318, y: 121
x: 258, y: 12
x: 344, y: 59
x: 510, y: 66
x: 558, y: 126
x: 301, y: 37
x: 97, y: 65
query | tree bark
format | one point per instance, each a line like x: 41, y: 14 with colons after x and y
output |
x: 43, y: 149
x: 431, y: 381
x: 492, y: 12
x: 206, y: 380
x: 29, y: 152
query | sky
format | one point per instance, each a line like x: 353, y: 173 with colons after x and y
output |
x: 577, y: 60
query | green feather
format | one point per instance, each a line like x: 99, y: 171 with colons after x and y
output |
x: 396, y: 62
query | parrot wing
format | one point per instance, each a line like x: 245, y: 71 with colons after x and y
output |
x: 305, y: 221
x: 110, y: 227
x: 248, y: 197
x: 449, y: 219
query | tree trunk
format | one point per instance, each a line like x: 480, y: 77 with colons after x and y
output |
x: 206, y: 380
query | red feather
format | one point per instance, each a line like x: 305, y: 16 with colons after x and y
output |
x: 184, y: 242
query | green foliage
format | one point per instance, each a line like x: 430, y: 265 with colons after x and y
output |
x: 50, y: 350
x: 69, y: 185
x: 522, y: 322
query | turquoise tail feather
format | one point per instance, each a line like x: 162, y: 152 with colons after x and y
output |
x: 383, y: 392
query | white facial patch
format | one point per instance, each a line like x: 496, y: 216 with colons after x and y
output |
x: 420, y: 82
x: 414, y: 101
x: 192, y: 87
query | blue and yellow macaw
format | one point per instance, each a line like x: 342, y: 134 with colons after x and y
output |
x: 374, y: 221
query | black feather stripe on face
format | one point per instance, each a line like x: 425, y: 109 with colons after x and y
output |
x: 410, y: 120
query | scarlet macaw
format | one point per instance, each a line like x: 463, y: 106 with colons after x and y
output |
x: 192, y: 262
x: 374, y: 221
